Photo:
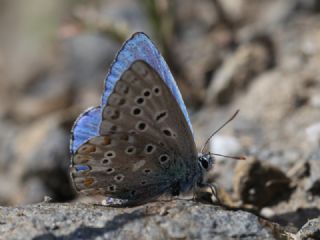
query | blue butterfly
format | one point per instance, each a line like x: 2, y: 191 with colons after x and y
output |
x: 138, y: 144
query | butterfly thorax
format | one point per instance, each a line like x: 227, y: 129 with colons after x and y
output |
x: 187, y: 180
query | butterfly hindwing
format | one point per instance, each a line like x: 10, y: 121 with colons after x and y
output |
x: 119, y: 165
x: 85, y: 127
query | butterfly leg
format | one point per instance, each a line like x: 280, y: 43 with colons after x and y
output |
x: 214, y: 191
x: 212, y: 187
x: 194, y: 195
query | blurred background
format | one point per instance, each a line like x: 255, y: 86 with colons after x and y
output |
x: 262, y: 57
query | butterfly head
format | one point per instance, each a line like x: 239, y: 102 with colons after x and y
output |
x: 205, y: 161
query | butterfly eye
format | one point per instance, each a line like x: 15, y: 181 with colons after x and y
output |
x: 204, y: 163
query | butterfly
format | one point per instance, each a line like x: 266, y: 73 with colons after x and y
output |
x: 138, y: 143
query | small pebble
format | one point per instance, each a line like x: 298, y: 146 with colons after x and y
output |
x: 313, y: 133
x: 226, y: 145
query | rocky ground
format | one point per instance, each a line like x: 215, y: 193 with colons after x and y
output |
x: 171, y: 220
x: 177, y: 219
x: 261, y: 57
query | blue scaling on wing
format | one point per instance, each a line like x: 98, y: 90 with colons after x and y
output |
x: 85, y: 127
x: 140, y: 47
x: 81, y: 168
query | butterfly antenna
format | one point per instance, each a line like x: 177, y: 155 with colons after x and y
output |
x: 216, y: 131
x: 226, y: 156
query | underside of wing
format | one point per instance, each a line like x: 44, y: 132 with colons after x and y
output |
x: 140, y: 47
x: 139, y: 143
x: 142, y: 104
x: 85, y: 127
x: 121, y: 166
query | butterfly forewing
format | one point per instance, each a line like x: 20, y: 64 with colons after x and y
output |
x: 145, y: 146
x: 143, y: 104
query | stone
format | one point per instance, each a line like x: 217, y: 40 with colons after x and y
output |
x: 226, y: 145
x: 259, y: 183
x: 41, y: 157
x: 223, y: 170
x: 315, y: 101
x: 238, y: 70
x: 312, y: 182
x: 310, y: 230
x: 313, y: 133
x: 181, y: 219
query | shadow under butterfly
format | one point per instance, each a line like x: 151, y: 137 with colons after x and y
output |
x: 138, y: 144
